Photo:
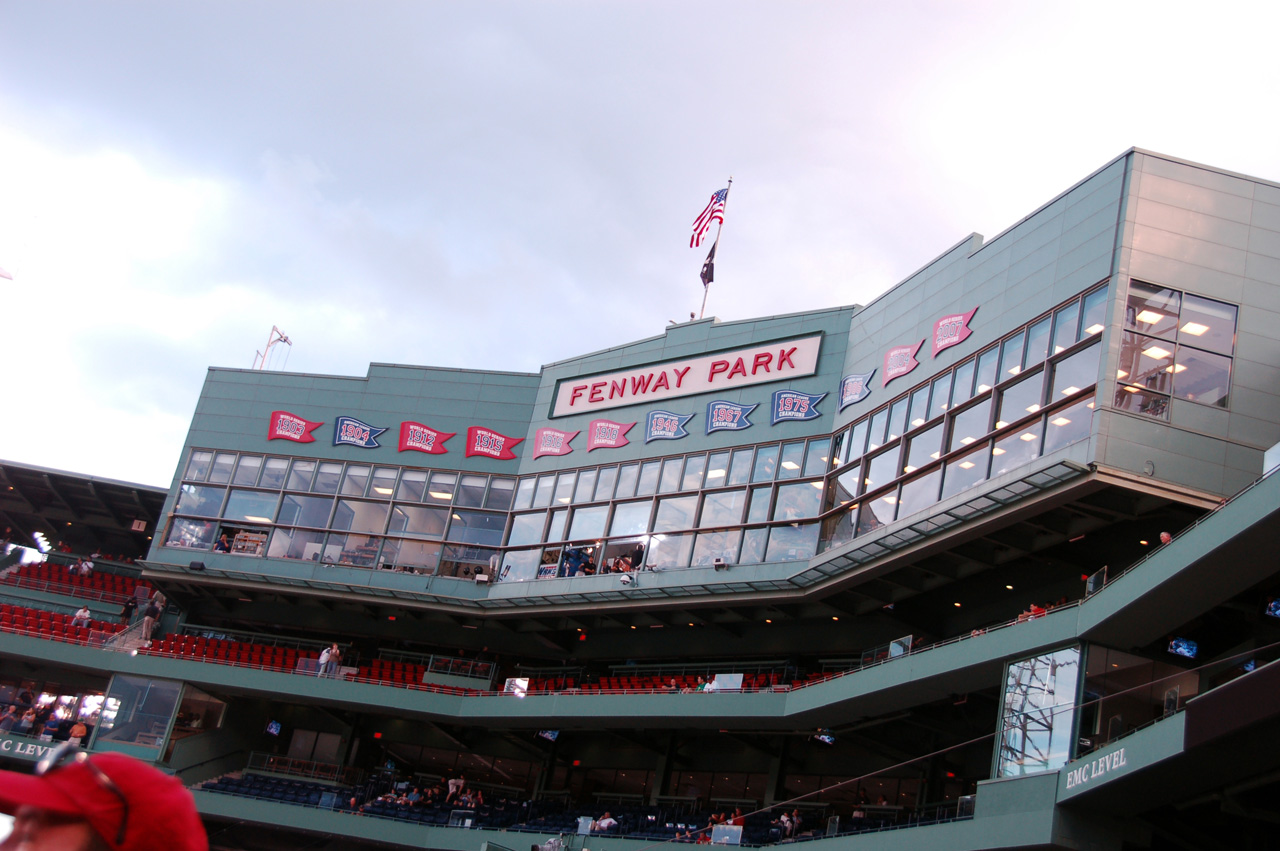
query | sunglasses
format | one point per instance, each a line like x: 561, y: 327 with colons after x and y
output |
x: 70, y: 753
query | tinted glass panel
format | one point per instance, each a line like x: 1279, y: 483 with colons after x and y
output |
x: 919, y: 493
x: 627, y: 476
x: 527, y: 528
x: 693, y: 468
x: 300, y: 544
x: 675, y: 513
x: 875, y: 429
x: 546, y: 487
x: 818, y: 461
x: 356, y: 480
x: 897, y: 419
x: 564, y: 488
x: 200, y: 501
x: 1073, y: 374
x: 846, y: 486
x: 501, y: 491
x: 588, y: 522
x: 416, y: 555
x: 1208, y: 324
x: 924, y: 447
x: 1068, y: 425
x: 1014, y: 450
x: 792, y: 543
x: 759, y: 511
x: 1152, y: 310
x: 718, y: 470
x: 421, y: 521
x: 252, y: 506
x: 883, y: 468
x: 940, y: 395
x: 357, y: 516
x: 586, y: 489
x: 667, y: 552
x: 1011, y: 357
x: 792, y: 462
x: 919, y: 411
x: 971, y: 424
x: 798, y: 501
x: 222, y: 464
x: 441, y: 487
x: 1094, y: 317
x: 1143, y: 402
x: 857, y: 441
x: 1202, y: 377
x: 1020, y: 399
x: 413, y: 484
x: 247, y: 470
x: 305, y: 510
x: 962, y: 384
x: 383, y: 483
x: 555, y: 529
x: 965, y: 472
x: 766, y: 464
x: 471, y: 491
x: 648, y: 483
x: 710, y: 546
x: 671, y: 469
x: 1146, y: 362
x: 524, y: 493
x: 191, y: 533
x: 198, y: 466
x: 1037, y: 343
x: 300, y: 475
x: 607, y: 480
x: 1066, y: 323
x: 327, y: 478
x: 753, y: 544
x: 475, y: 527
x: 631, y: 518
x: 723, y: 508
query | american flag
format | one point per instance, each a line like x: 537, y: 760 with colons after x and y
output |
x: 713, y: 213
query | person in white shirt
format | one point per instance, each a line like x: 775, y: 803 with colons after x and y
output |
x: 81, y: 617
x: 605, y: 822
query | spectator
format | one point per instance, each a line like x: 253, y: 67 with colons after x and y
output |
x: 150, y: 616
x: 456, y: 785
x: 126, y: 611
x: 86, y: 567
x: 605, y: 822
x: 1165, y: 538
x: 710, y: 685
x: 77, y: 802
x: 738, y: 818
x: 323, y: 667
x: 223, y: 545
x: 334, y: 663
x: 27, y: 721
x: 10, y: 719
x: 78, y: 732
x: 82, y: 617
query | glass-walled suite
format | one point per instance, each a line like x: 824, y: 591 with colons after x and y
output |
x: 1025, y: 396
x: 50, y: 710
x: 1038, y: 713
x: 138, y: 711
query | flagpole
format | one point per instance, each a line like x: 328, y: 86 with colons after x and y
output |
x: 715, y: 245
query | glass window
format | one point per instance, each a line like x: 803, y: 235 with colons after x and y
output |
x: 222, y: 464
x: 837, y: 529
x: 199, y: 500
x: 300, y: 473
x: 273, y: 473
x: 191, y: 533
x: 1037, y: 342
x: 675, y: 513
x: 588, y: 522
x: 962, y: 384
x: 1152, y: 310
x: 627, y: 476
x: 555, y: 529
x: 418, y: 555
x: 305, y: 510
x: 1014, y: 450
x: 875, y: 429
x: 1208, y: 324
x: 501, y: 491
x: 630, y: 518
x: 413, y: 484
x: 356, y: 481
x: 897, y: 425
x: 723, y: 508
x: 302, y: 544
x: 924, y: 448
x: 798, y: 501
x: 792, y: 543
x: 421, y: 521
x: 247, y: 470
x: 845, y: 487
x: 585, y: 492
x: 144, y: 708
x: 919, y: 493
x: 857, y: 440
x: 1146, y: 362
x: 327, y: 477
x: 971, y: 424
x: 440, y: 490
x: 693, y: 468
x: 1201, y: 377
x: 1065, y: 324
x: 564, y: 488
x: 965, y: 471
x: 940, y: 395
x: 356, y: 516
x: 605, y: 483
x: 648, y: 484
x: 668, y: 552
x: 471, y: 491
x: 753, y: 545
x: 1021, y: 398
x: 884, y: 468
x: 524, y: 493
x: 1068, y: 425
x: 198, y: 465
x: 383, y: 483
x: 919, y: 411
x: 1011, y: 356
x: 717, y: 469
x: 670, y: 481
x: 759, y: 511
x: 521, y: 566
x: 875, y: 513
x: 766, y: 464
x: 477, y: 527
x: 1094, y: 316
x: 527, y: 528
x: 710, y: 546
x: 1074, y: 373
x: 1143, y: 402
x: 816, y: 461
x: 354, y: 550
x: 1038, y: 713
x: 792, y: 462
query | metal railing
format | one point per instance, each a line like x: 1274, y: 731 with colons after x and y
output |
x: 328, y: 771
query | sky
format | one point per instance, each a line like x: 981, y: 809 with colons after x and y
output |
x: 499, y: 185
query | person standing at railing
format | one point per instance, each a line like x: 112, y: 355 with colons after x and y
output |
x: 126, y: 611
x: 150, y: 616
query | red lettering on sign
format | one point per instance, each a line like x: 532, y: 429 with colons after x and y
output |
x: 784, y: 356
x: 662, y: 382
x: 596, y: 394
x: 640, y: 384
x: 680, y: 374
x: 618, y: 388
x: 577, y: 391
x: 760, y: 361
x: 739, y: 368
x: 717, y: 367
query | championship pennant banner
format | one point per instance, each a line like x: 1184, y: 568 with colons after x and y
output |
x: 287, y: 426
x: 349, y: 431
x: 728, y: 416
x: 606, y: 434
x: 664, y: 425
x: 791, y: 405
x: 550, y: 441
x: 487, y: 442
x: 898, y: 361
x: 421, y: 438
x: 951, y: 331
x: 855, y: 388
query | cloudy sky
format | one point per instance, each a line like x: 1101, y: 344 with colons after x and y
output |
x: 502, y: 185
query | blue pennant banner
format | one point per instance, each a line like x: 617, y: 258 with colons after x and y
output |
x: 728, y: 416
x: 664, y: 425
x: 349, y: 431
x: 791, y: 405
x: 855, y: 388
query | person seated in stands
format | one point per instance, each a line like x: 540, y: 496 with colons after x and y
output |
x: 882, y: 801
x: 223, y: 545
x: 589, y: 567
x: 710, y: 686
x: 86, y: 567
x: 10, y: 719
x: 738, y: 818
x: 671, y: 687
x: 414, y: 796
x: 780, y: 828
x: 605, y: 822
x: 796, y: 821
x: 1036, y: 611
x: 82, y: 617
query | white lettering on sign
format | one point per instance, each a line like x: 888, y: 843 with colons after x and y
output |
x: 737, y: 368
x: 1095, y: 768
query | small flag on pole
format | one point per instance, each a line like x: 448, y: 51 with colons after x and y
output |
x: 713, y: 213
x: 709, y: 268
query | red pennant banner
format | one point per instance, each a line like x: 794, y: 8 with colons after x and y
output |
x: 287, y: 426
x: 951, y: 331
x: 421, y: 438
x: 550, y: 441
x: 483, y: 441
x: 898, y: 361
x: 606, y: 434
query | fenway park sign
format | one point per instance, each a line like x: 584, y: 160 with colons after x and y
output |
x: 711, y: 373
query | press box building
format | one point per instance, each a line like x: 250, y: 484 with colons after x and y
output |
x: 848, y: 508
